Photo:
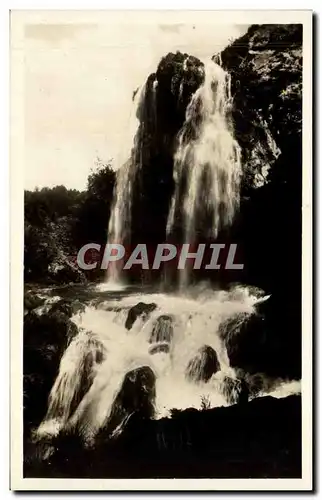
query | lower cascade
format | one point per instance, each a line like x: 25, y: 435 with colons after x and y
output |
x: 146, y: 355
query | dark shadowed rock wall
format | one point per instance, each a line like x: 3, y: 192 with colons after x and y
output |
x: 266, y: 71
x: 161, y: 114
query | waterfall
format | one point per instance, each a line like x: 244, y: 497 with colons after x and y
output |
x: 206, y: 170
x: 207, y: 165
x: 148, y: 354
x: 120, y: 220
x: 172, y: 357
x: 173, y: 341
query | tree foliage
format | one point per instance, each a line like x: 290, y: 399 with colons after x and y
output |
x: 94, y: 211
x: 58, y: 221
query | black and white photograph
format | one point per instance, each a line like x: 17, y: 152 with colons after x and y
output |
x: 160, y: 303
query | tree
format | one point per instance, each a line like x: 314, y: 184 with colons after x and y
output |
x: 94, y: 211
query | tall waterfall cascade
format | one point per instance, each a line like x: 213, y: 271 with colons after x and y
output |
x: 207, y: 169
x: 208, y: 157
x: 207, y: 163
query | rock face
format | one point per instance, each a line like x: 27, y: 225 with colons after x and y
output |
x: 136, y: 396
x: 203, y: 365
x: 139, y: 310
x: 266, y: 76
x: 266, y: 71
x: 161, y: 113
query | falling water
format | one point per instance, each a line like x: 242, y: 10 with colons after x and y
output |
x: 98, y: 359
x: 95, y: 363
x: 185, y: 360
x: 120, y: 220
x: 206, y: 168
x: 207, y: 165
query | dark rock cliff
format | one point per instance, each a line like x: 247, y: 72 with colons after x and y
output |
x: 266, y: 71
x: 266, y: 76
x: 161, y: 113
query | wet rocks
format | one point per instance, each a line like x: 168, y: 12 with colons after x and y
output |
x: 246, y: 341
x: 62, y: 307
x: 234, y: 390
x: 231, y: 332
x: 162, y: 334
x: 45, y: 340
x: 32, y: 301
x: 178, y: 76
x: 162, y: 329
x: 203, y: 365
x: 136, y: 396
x: 252, y: 341
x: 141, y: 309
x: 68, y: 307
x: 160, y: 347
x: 91, y: 354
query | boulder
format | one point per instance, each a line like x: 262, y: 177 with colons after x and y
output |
x: 234, y: 390
x: 162, y: 329
x: 62, y: 307
x: 77, y: 306
x: 136, y: 396
x: 91, y: 353
x: 203, y: 365
x: 248, y: 344
x: 32, y: 301
x: 266, y: 341
x: 67, y: 307
x: 140, y: 309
